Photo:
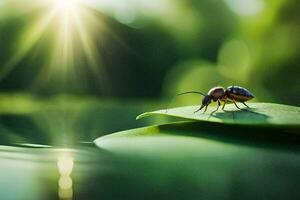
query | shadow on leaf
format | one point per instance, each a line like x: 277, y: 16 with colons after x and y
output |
x: 264, y: 137
x: 242, y: 115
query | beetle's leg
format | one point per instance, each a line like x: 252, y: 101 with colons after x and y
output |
x: 199, y: 109
x: 219, y: 103
x: 236, y: 104
x: 245, y: 104
x: 205, y: 109
x: 224, y: 104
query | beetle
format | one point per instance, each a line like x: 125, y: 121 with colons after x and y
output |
x: 217, y: 94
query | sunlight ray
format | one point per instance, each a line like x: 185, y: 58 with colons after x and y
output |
x: 89, y: 48
x: 71, y: 32
x: 31, y: 36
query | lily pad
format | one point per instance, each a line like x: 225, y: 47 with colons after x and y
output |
x: 186, y: 135
x: 265, y: 114
x: 204, y: 160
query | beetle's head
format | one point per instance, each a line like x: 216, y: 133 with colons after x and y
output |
x: 206, y: 101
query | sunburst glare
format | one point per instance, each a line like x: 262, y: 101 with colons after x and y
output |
x: 71, y: 26
x: 67, y: 5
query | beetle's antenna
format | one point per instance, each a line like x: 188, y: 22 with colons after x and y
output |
x: 191, y: 92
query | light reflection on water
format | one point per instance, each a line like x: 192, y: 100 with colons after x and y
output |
x: 65, y: 163
x: 136, y: 169
x: 47, y: 173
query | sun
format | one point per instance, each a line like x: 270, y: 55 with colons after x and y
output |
x: 67, y: 5
x: 73, y: 25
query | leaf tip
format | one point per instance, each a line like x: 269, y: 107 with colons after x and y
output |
x: 141, y: 116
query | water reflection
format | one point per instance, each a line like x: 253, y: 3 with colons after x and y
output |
x: 65, y: 163
x: 169, y: 166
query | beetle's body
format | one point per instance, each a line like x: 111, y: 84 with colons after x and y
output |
x: 216, y: 93
x: 232, y: 93
x: 238, y: 94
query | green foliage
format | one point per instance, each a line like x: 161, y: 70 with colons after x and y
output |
x: 258, y: 114
x: 211, y: 155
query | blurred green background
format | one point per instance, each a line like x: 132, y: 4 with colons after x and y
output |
x: 141, y: 49
x: 74, y: 70
x: 135, y: 55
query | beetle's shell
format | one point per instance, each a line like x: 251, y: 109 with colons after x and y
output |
x: 216, y: 93
x: 238, y: 93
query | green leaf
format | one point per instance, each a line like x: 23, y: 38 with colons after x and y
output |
x: 202, y: 155
x: 188, y: 138
x: 258, y: 114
